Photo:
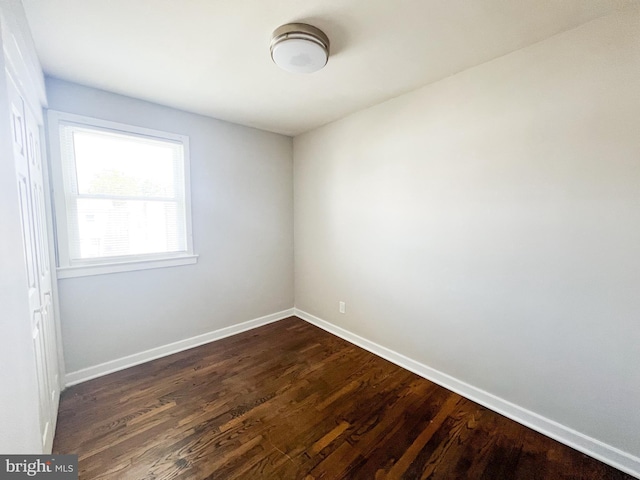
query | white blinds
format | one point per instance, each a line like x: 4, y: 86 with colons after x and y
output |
x: 124, y: 193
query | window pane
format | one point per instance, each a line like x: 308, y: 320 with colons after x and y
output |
x: 111, y: 227
x: 113, y: 164
x: 125, y: 192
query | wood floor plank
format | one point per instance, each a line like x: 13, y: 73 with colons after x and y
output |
x: 290, y: 401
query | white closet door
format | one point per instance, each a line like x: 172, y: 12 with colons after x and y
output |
x: 28, y: 163
x: 36, y: 175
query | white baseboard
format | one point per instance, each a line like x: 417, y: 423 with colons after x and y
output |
x: 111, y: 366
x: 594, y: 448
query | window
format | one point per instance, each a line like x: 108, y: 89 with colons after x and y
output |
x: 121, y: 196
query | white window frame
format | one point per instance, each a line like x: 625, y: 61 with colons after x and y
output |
x: 67, y: 268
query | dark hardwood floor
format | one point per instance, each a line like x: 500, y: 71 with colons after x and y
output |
x: 290, y: 401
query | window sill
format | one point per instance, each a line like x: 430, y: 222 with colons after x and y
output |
x: 105, y: 268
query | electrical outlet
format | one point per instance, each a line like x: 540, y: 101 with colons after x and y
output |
x: 342, y: 306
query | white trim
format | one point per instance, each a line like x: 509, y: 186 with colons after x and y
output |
x: 112, y: 366
x: 615, y: 457
x: 100, y: 269
x: 84, y: 121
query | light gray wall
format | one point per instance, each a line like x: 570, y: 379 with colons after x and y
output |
x: 241, y: 180
x: 488, y: 226
x: 19, y: 411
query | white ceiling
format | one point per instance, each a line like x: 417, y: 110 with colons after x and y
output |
x: 212, y: 56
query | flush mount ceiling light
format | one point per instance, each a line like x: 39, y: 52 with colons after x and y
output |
x: 299, y: 48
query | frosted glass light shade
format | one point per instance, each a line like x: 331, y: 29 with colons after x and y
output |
x: 299, y: 48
